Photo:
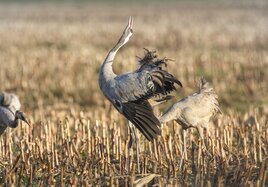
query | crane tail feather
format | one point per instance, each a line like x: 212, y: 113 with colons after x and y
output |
x: 164, y: 82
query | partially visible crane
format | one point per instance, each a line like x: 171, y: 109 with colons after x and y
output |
x: 9, y: 111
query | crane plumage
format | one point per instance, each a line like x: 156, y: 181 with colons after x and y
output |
x: 9, y: 111
x: 129, y: 92
x: 10, y: 100
x: 195, y: 110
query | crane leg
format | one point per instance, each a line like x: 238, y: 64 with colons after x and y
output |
x: 200, y: 132
x: 184, y: 152
x: 206, y: 138
x: 129, y: 147
x: 137, y: 148
x: 201, y: 135
x: 130, y: 139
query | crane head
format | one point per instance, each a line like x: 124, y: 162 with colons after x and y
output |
x: 20, y: 115
x: 127, y: 32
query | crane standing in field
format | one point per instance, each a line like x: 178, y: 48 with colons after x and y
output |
x: 129, y: 92
x: 195, y: 110
x: 9, y: 111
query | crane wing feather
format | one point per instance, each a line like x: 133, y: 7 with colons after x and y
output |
x: 140, y: 113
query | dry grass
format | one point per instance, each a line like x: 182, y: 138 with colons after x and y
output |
x: 50, y: 57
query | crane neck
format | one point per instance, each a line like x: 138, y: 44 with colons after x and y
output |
x: 106, y: 71
x: 170, y: 114
x: 164, y: 118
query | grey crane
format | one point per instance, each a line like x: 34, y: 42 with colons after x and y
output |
x: 9, y: 111
x: 195, y: 110
x: 129, y: 92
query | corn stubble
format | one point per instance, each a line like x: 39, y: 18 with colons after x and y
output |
x: 76, y: 151
x: 76, y: 138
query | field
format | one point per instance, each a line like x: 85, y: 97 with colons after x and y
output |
x: 50, y: 56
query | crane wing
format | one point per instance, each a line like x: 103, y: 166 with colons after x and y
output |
x: 142, y: 85
x: 150, y: 80
x: 140, y: 113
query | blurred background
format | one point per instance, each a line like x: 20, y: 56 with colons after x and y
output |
x: 50, y: 51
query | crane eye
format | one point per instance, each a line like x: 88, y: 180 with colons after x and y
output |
x: 118, y: 104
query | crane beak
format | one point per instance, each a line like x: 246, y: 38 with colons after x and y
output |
x: 130, y: 23
x: 25, y: 120
x: 129, y: 28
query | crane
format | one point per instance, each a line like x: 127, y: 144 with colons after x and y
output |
x: 195, y: 110
x: 9, y: 111
x: 129, y: 92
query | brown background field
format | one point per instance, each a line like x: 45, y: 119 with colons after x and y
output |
x: 50, y: 56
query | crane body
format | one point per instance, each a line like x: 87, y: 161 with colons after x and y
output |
x: 195, y: 110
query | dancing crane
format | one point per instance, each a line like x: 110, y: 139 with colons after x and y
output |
x: 129, y: 92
